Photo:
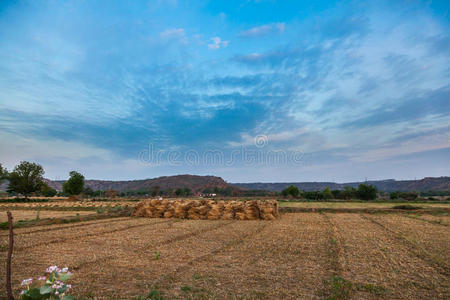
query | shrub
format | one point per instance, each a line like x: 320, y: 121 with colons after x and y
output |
x: 367, y: 192
x: 290, y: 191
x: 327, y: 194
x: 393, y: 195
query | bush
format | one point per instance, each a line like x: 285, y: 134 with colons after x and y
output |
x: 327, y: 194
x: 367, y: 192
x: 290, y: 191
x: 393, y: 195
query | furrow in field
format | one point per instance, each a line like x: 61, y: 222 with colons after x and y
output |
x: 284, y: 260
x: 55, y: 227
x: 380, y: 266
x: 32, y: 240
x: 443, y: 220
x: 160, y: 255
x: 33, y: 261
x: 428, y: 241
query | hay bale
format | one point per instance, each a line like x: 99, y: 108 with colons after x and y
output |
x: 252, y: 211
x: 216, y: 211
x: 228, y: 211
x: 208, y: 209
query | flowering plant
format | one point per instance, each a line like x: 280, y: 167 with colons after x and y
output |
x: 52, y: 286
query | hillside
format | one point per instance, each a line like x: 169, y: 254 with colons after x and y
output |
x: 194, y: 182
x: 422, y: 185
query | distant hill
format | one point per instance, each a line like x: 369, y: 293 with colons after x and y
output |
x: 199, y: 183
x: 422, y: 185
x: 194, y: 182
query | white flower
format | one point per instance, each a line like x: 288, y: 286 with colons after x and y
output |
x: 64, y: 270
x: 27, y: 281
x: 51, y: 269
x: 42, y: 278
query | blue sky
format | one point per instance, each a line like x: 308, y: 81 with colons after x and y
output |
x: 344, y: 90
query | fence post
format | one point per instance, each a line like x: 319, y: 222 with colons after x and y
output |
x: 8, y: 262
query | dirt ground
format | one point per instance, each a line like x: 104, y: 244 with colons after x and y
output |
x: 299, y: 256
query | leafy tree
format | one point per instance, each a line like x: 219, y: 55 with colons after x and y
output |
x: 291, y: 191
x: 393, y: 195
x: 327, y: 194
x: 313, y: 195
x: 75, y: 184
x: 3, y: 174
x: 87, y: 191
x: 349, y: 193
x: 187, y: 191
x: 47, y: 191
x: 26, y: 178
x: 367, y: 192
x: 178, y: 192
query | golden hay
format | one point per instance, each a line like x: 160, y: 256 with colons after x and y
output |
x: 208, y: 209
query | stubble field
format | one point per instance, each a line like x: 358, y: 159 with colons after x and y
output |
x: 299, y: 256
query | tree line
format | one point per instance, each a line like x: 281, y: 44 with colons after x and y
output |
x: 27, y: 178
x: 363, y: 192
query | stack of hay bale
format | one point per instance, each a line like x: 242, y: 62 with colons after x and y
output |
x: 208, y: 209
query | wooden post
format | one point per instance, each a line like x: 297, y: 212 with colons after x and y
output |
x: 8, y: 262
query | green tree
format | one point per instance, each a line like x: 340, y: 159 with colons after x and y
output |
x: 291, y: 191
x: 3, y: 174
x: 393, y: 195
x: 367, y: 192
x: 87, y: 191
x: 47, y: 191
x: 327, y: 194
x: 178, y: 192
x: 187, y: 191
x: 26, y: 178
x: 75, y: 184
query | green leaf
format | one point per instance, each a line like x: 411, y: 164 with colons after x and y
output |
x: 63, y: 277
x: 67, y: 298
x: 45, y: 289
x: 35, y: 293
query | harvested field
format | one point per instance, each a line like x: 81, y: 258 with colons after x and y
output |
x: 41, y: 214
x: 297, y: 256
x: 379, y: 205
x: 67, y: 204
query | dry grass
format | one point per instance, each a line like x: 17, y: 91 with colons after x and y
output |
x: 299, y: 256
x: 67, y: 204
x: 373, y: 257
x: 30, y: 214
x: 359, y: 204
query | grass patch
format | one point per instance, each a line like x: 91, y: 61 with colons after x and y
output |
x: 153, y: 294
x: 343, y: 289
x: 23, y: 200
x: 407, y: 207
x: 340, y: 288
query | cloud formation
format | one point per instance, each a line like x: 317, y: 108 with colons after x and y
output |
x: 274, y: 28
x: 361, y: 95
x: 217, y: 43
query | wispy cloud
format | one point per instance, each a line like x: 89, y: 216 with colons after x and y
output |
x: 273, y: 28
x: 217, y: 43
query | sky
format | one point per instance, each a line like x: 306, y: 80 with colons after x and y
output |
x: 266, y: 91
